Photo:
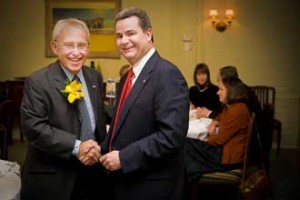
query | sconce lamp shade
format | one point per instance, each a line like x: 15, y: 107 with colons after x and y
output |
x: 213, y: 13
x: 229, y: 13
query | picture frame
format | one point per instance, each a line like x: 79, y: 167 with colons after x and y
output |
x: 98, y: 15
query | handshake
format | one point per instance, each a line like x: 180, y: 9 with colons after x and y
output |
x: 90, y: 153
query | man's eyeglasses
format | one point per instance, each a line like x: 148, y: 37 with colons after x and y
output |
x: 72, y: 46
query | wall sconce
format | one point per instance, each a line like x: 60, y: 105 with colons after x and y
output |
x: 221, y: 25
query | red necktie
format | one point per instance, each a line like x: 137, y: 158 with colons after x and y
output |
x: 125, y: 91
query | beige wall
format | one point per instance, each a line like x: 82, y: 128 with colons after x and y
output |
x: 263, y: 42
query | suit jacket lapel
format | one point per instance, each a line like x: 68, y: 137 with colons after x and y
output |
x: 59, y: 79
x: 92, y: 86
x: 137, y: 88
x: 58, y: 75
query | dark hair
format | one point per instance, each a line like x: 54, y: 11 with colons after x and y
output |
x: 229, y: 72
x: 237, y: 91
x: 144, y: 20
x: 202, y: 68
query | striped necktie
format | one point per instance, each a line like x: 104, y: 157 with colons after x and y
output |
x: 86, y: 131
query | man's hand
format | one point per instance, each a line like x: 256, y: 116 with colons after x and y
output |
x: 111, y: 161
x: 89, y: 152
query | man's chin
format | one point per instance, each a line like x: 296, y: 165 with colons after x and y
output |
x: 75, y: 68
x: 128, y: 56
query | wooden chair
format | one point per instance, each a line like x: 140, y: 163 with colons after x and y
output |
x: 3, y: 91
x: 232, y: 182
x: 15, y: 93
x: 3, y: 143
x: 255, y: 182
x: 7, y: 117
x: 266, y: 95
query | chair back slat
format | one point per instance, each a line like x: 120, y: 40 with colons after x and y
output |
x: 3, y: 143
x: 7, y: 117
x: 247, y: 151
x: 265, y: 94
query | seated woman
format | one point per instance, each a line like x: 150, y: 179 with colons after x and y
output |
x: 224, y: 147
x: 203, y: 95
x: 253, y: 104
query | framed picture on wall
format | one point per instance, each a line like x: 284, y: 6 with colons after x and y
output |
x: 97, y: 14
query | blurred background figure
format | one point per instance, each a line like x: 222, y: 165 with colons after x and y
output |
x: 111, y: 90
x: 203, y: 95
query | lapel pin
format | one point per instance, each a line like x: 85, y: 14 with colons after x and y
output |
x: 94, y: 86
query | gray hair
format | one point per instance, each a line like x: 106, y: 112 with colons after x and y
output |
x: 69, y: 24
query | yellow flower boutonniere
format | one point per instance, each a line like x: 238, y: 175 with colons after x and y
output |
x: 72, y: 91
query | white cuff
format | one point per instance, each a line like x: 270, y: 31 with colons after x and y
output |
x: 209, y: 112
x: 76, y: 147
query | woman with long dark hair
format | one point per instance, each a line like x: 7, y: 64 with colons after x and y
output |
x: 203, y: 95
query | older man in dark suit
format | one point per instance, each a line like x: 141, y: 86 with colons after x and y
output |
x: 63, y: 122
x: 143, y: 150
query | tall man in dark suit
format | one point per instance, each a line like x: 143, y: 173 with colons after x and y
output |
x: 63, y: 154
x: 143, y: 151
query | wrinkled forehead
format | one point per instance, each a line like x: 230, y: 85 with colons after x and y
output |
x: 73, y: 34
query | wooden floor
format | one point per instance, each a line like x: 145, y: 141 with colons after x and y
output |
x: 284, y: 168
x: 285, y: 174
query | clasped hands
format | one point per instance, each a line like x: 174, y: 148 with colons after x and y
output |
x: 90, y: 153
x: 202, y: 112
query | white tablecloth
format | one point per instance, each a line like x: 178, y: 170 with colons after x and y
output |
x: 198, y: 128
x: 10, y: 181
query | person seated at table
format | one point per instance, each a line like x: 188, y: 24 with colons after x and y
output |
x: 224, y: 146
x: 203, y: 95
x: 253, y: 104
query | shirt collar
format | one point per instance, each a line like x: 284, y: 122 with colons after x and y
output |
x: 137, y: 67
x: 70, y: 76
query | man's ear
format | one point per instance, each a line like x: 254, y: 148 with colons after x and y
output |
x: 54, y: 47
x: 149, y: 33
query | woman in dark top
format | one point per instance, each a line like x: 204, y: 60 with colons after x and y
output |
x: 203, y: 96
